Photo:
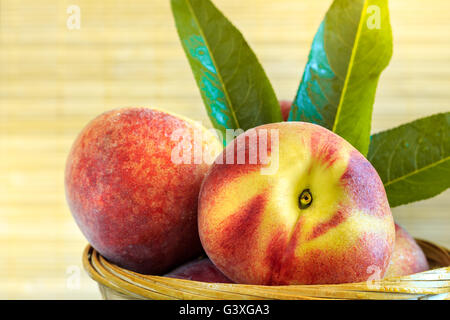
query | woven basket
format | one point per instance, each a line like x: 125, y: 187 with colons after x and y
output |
x: 118, y: 283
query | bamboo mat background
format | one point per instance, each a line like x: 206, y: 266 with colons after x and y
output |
x: 54, y: 80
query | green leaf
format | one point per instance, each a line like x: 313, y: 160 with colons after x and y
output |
x: 413, y: 160
x: 350, y: 50
x: 233, y: 84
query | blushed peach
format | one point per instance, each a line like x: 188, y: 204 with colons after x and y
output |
x: 321, y: 218
x: 133, y: 203
x: 199, y: 270
x: 408, y: 257
x: 285, y: 107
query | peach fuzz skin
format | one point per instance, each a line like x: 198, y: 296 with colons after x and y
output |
x: 133, y: 204
x: 199, y: 270
x: 265, y: 238
x: 408, y: 257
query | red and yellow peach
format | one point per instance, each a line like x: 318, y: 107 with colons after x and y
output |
x: 321, y: 218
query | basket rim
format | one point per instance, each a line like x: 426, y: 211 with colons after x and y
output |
x: 431, y: 283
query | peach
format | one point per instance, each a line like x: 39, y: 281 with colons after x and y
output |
x: 320, y: 217
x: 199, y: 270
x: 285, y: 107
x: 408, y: 257
x: 132, y: 201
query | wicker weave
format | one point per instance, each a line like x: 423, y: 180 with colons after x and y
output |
x: 118, y: 283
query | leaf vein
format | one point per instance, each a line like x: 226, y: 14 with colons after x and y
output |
x: 416, y: 171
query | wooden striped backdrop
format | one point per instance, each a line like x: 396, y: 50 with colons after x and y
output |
x: 54, y: 80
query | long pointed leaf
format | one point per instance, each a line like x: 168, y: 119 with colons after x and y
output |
x: 350, y: 50
x: 234, y: 87
x: 413, y: 160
